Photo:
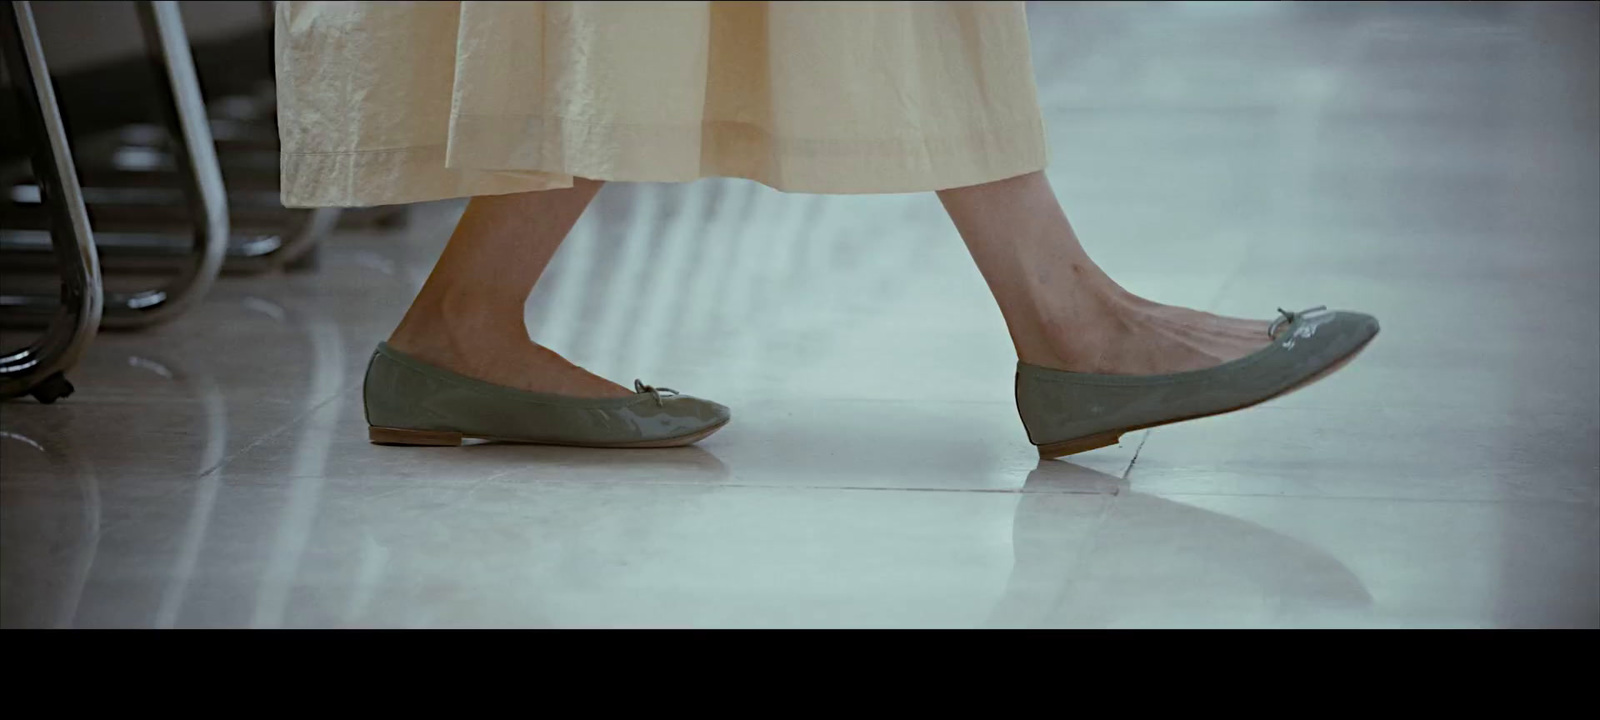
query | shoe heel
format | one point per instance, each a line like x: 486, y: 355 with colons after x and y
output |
x: 1078, y: 445
x: 397, y: 436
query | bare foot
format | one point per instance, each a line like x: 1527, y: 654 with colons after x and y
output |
x: 1133, y: 336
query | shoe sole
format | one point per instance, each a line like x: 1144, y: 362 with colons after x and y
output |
x: 1086, y: 443
x: 446, y: 438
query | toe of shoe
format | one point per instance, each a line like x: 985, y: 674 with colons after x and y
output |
x: 1354, y: 329
x: 1333, y: 341
x: 700, y: 413
x: 716, y: 413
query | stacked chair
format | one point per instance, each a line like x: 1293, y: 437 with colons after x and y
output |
x: 133, y: 224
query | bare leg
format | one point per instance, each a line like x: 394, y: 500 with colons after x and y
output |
x: 1063, y: 311
x: 469, y: 315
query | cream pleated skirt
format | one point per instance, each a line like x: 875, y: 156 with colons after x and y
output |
x: 396, y: 102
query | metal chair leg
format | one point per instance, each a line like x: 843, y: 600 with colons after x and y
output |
x: 168, y: 48
x: 40, y: 368
x: 131, y: 202
x: 185, y: 115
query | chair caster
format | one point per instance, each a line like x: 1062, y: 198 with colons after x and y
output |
x: 51, y: 389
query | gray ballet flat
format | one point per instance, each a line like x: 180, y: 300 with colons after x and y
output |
x: 1068, y: 412
x: 409, y: 402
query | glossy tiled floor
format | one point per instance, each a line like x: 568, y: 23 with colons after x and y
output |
x: 1436, y: 165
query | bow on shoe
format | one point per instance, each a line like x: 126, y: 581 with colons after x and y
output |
x: 1285, y: 316
x: 641, y: 388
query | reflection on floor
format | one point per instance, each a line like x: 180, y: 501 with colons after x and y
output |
x: 1436, y: 165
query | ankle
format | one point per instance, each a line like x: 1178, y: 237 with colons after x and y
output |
x: 450, y: 328
x: 1077, y: 334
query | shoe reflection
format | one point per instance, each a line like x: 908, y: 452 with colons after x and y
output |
x: 598, y: 464
x: 1127, y: 559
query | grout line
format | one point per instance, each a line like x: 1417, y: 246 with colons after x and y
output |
x: 1129, y: 469
x: 192, y: 482
x: 1373, y: 498
x: 290, y: 423
x: 1112, y: 490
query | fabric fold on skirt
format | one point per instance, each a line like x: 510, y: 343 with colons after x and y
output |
x: 383, y: 103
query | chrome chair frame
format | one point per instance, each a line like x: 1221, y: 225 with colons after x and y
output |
x: 200, y: 175
x: 39, y: 369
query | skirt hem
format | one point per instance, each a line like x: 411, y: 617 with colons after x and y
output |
x: 497, y: 155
